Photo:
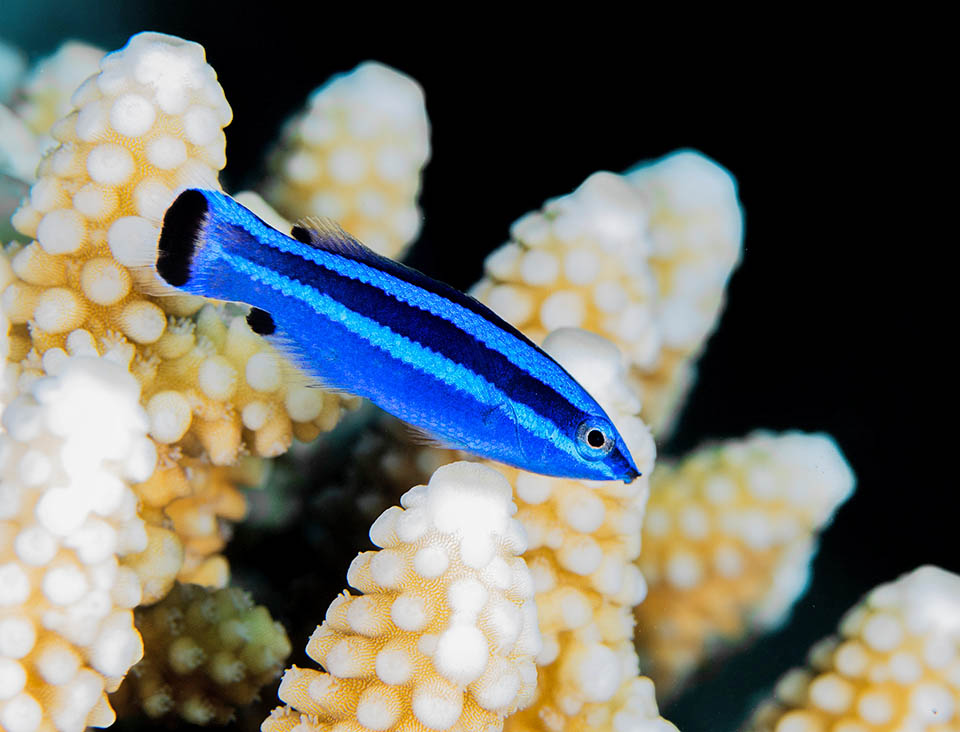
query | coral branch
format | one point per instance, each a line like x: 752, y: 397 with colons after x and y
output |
x: 205, y: 653
x: 443, y: 637
x: 74, y: 439
x: 727, y: 543
x: 148, y: 125
x: 696, y: 236
x: 584, y: 538
x: 42, y: 97
x: 355, y: 155
x: 893, y: 666
x: 641, y: 259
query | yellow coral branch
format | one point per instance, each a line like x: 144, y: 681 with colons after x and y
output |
x: 74, y: 438
x: 727, y: 543
x: 641, y: 259
x: 147, y: 125
x: 444, y: 635
x: 893, y: 665
x: 355, y: 155
x: 205, y: 653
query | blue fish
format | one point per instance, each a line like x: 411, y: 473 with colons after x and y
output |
x: 419, y: 349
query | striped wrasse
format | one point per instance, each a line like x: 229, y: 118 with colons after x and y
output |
x: 421, y: 350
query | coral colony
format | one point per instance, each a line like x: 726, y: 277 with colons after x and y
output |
x: 496, y: 599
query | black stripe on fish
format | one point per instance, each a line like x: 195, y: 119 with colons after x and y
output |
x: 334, y: 240
x: 423, y: 327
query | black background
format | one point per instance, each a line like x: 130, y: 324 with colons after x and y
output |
x: 823, y: 326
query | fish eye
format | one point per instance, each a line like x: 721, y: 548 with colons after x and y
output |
x: 595, y: 438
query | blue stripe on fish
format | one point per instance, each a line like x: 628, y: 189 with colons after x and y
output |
x: 418, y: 348
x: 396, y: 344
x: 422, y: 326
x: 411, y: 287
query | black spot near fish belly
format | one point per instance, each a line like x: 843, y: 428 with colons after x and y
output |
x: 301, y: 234
x: 261, y: 322
x: 182, y: 226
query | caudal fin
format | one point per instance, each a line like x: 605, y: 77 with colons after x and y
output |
x: 183, y: 226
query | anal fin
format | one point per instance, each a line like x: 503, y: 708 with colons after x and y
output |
x: 420, y: 436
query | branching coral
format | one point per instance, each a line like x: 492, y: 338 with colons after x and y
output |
x: 186, y: 504
x: 99, y: 189
x: 205, y: 652
x: 74, y: 439
x: 443, y: 637
x: 355, y: 155
x: 695, y: 232
x: 641, y: 259
x: 895, y: 665
x: 40, y: 98
x: 149, y: 124
x: 727, y: 543
x: 197, y: 501
x: 580, y: 262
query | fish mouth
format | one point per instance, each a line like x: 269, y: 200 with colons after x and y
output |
x: 631, y: 475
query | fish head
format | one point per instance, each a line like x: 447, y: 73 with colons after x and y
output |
x: 602, y: 451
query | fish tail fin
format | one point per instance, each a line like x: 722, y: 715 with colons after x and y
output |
x: 181, y: 237
x: 193, y: 238
x: 183, y: 261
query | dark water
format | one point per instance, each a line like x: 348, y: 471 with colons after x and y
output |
x: 822, y: 329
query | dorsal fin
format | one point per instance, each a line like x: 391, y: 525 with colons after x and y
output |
x: 327, y: 235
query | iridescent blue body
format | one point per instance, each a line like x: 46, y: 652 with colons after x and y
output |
x: 418, y: 348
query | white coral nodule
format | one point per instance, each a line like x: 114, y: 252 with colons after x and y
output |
x: 445, y: 635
